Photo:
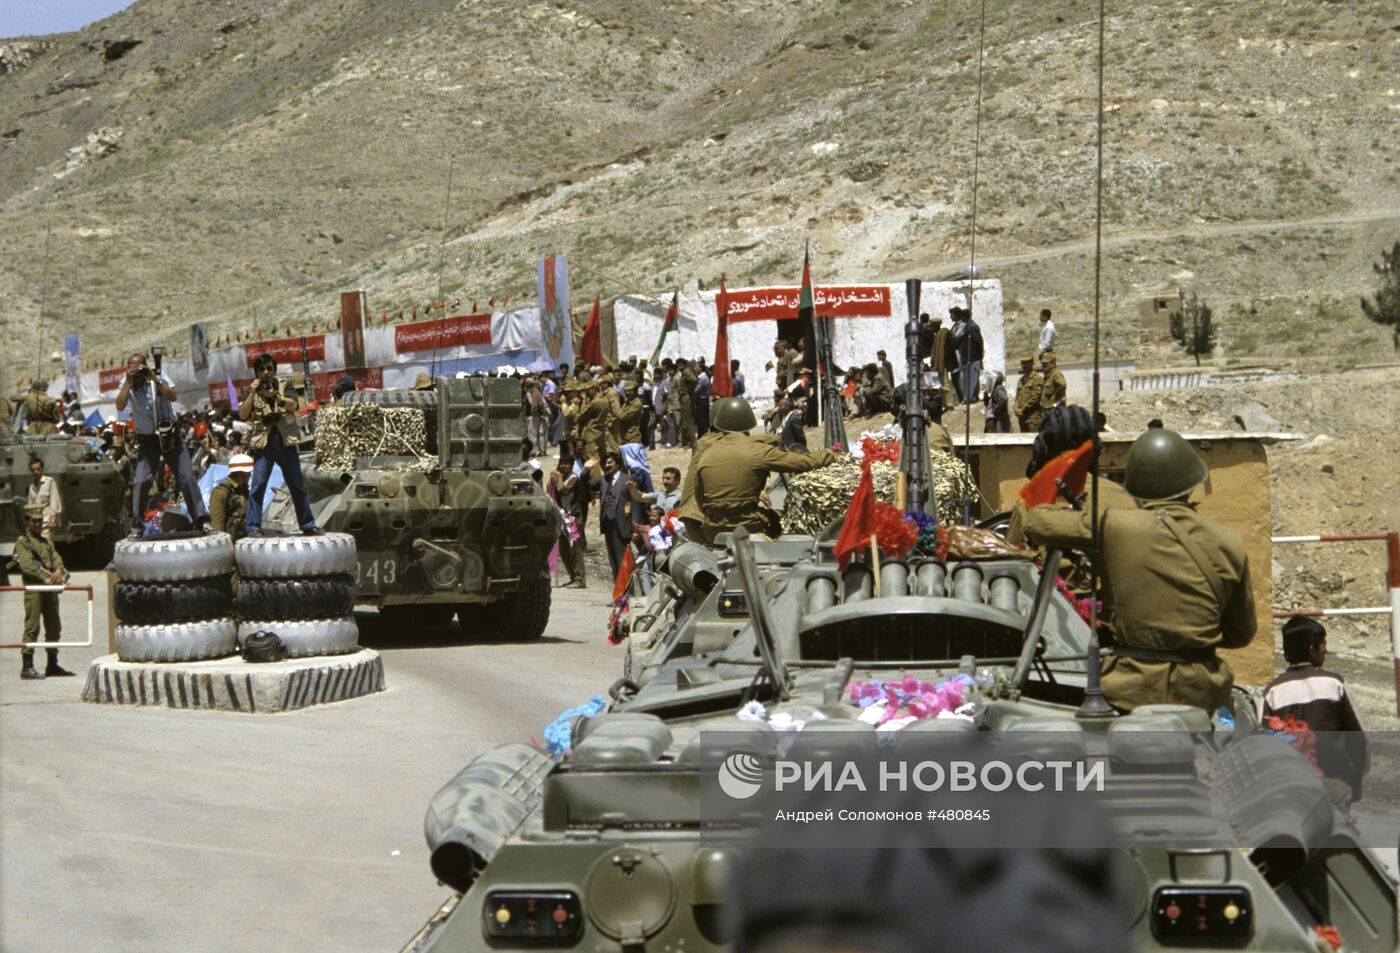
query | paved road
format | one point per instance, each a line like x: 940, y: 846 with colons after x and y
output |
x: 151, y: 829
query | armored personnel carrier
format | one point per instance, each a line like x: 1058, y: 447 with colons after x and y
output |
x: 461, y: 529
x: 88, y: 480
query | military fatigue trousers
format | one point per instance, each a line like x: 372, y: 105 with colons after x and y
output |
x: 41, y: 605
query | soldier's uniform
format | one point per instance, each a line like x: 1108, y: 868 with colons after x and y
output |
x: 1175, y: 583
x: 1111, y: 495
x: 7, y: 414
x: 684, y: 382
x: 1028, y: 390
x: 614, y: 426
x: 672, y: 405
x: 125, y: 471
x: 228, y: 507
x: 876, y: 395
x: 732, y: 474
x: 38, y: 559
x: 43, y: 413
x: 629, y: 421
x: 593, y: 425
x: 1054, y: 388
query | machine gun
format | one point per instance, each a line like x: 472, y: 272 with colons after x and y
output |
x: 834, y: 426
x: 914, y: 453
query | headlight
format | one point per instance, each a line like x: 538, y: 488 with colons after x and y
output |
x: 532, y: 915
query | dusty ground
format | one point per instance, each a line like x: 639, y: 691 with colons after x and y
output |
x: 1343, y: 476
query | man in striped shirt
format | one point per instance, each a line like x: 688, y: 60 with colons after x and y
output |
x: 1320, y: 700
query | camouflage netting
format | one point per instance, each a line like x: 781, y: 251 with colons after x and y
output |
x: 817, y: 497
x: 347, y: 431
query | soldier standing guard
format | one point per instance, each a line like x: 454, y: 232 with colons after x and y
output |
x: 684, y: 384
x: 1054, y: 389
x: 1176, y: 583
x: 43, y: 411
x: 40, y: 565
x: 1028, y: 388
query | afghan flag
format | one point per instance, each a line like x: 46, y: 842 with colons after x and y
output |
x: 721, y: 382
x: 591, y: 347
x: 669, y: 323
x: 859, y: 524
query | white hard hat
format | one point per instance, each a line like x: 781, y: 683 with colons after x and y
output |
x: 240, y: 463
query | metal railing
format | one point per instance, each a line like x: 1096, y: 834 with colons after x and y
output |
x: 1392, y: 582
x: 52, y: 645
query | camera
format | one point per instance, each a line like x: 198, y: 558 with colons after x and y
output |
x: 267, y: 384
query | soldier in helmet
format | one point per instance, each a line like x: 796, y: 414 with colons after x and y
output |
x: 43, y: 411
x: 732, y: 470
x: 1175, y: 583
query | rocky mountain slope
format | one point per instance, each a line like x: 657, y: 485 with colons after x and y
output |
x: 213, y: 158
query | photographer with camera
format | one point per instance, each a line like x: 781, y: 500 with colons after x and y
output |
x: 151, y: 395
x: 273, y: 441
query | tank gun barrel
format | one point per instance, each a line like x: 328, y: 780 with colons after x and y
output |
x: 834, y: 424
x: 915, y: 426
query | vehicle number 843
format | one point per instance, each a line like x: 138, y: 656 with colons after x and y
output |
x: 372, y: 573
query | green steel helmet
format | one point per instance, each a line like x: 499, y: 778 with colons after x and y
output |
x: 733, y: 415
x: 1162, y: 466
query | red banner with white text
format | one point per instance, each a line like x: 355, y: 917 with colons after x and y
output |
x: 840, y: 301
x: 287, y: 350
x: 463, y: 330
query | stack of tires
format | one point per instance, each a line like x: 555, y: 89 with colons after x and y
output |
x: 174, y: 598
x: 301, y: 589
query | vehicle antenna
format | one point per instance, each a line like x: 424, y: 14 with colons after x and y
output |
x: 43, y: 298
x: 1095, y: 705
x: 442, y: 264
x: 972, y: 260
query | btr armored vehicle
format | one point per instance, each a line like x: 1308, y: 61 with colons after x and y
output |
x: 613, y: 846
x: 462, y: 528
x: 91, y: 487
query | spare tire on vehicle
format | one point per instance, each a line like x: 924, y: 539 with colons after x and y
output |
x: 288, y: 557
x: 318, y: 598
x: 306, y: 637
x: 180, y: 642
x: 163, y: 603
x: 427, y: 399
x: 174, y: 557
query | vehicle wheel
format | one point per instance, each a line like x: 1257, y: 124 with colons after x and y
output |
x: 168, y: 603
x: 520, y: 616
x: 306, y: 637
x: 174, y: 559
x: 290, y: 557
x: 182, y: 642
x: 425, y: 614
x: 319, y: 598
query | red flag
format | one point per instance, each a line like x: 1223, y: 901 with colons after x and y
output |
x: 624, y: 575
x: 721, y: 383
x: 590, y: 349
x: 1070, y: 467
x: 859, y: 524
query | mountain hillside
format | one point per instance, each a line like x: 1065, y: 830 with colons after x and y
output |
x: 243, y: 160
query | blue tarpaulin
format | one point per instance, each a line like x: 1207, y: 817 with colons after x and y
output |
x: 93, y: 419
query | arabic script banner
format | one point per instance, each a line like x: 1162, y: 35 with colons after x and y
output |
x: 778, y: 304
x: 463, y: 330
x: 287, y: 350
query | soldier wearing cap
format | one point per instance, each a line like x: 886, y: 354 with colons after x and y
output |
x: 40, y: 565
x: 422, y: 381
x: 43, y: 411
x: 684, y: 384
x: 614, y: 399
x: 1028, y: 390
x: 1053, y: 390
x: 1175, y: 583
x: 629, y: 421
x: 122, y: 461
x: 729, y: 470
x: 592, y: 425
x: 228, y: 502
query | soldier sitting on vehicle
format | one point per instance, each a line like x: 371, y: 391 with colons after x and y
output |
x: 43, y: 411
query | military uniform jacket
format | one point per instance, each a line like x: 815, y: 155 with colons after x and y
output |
x: 1053, y: 391
x: 593, y: 421
x: 37, y: 558
x: 614, y: 415
x: 43, y: 413
x: 1159, y: 599
x: 1111, y: 494
x: 228, y: 508
x: 672, y: 398
x: 629, y: 424
x: 733, y: 472
x: 685, y: 383
x: 879, y: 390
x: 1028, y: 400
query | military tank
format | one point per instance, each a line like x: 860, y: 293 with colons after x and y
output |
x: 450, y: 525
x: 88, y: 481
x: 610, y: 847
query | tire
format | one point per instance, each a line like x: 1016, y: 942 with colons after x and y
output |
x: 302, y: 638
x: 519, y: 617
x: 183, y: 642
x: 291, y: 557
x: 174, y: 560
x: 318, y: 598
x: 170, y: 603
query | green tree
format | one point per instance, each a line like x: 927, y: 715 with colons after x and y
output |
x: 1384, y: 306
x: 1191, y: 327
